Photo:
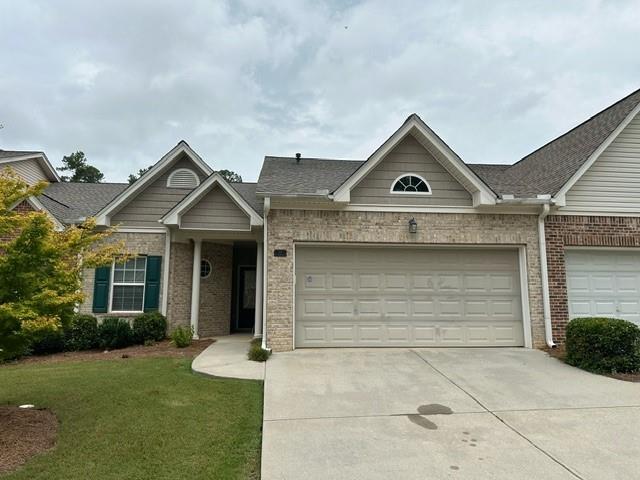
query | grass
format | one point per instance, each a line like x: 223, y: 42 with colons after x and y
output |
x: 139, y: 419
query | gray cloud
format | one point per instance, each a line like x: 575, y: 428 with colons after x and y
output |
x: 124, y: 81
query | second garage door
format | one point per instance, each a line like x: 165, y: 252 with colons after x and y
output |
x: 405, y: 296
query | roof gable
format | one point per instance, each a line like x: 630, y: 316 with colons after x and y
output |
x: 175, y: 215
x: 13, y: 156
x: 174, y: 155
x: 409, y: 157
x: 482, y: 193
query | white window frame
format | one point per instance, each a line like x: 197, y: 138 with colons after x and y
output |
x: 202, y: 260
x: 113, y: 284
x: 393, y: 184
x: 178, y: 170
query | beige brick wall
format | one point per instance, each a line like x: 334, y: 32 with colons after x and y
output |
x: 215, y: 290
x: 179, y: 304
x: 135, y: 243
x: 289, y: 226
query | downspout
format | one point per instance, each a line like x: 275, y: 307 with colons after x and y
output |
x: 267, y: 208
x: 546, y: 303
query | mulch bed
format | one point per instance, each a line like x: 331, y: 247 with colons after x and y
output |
x: 160, y: 349
x: 560, y: 353
x: 23, y: 434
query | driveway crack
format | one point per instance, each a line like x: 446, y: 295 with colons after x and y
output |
x: 510, y: 427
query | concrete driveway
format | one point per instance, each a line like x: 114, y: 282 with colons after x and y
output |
x: 443, y: 414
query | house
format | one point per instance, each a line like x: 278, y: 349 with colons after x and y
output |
x: 409, y: 247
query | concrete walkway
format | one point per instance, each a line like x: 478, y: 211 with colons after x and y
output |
x: 512, y: 414
x: 227, y: 357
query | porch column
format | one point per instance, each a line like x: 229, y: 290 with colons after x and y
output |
x: 195, y: 286
x: 257, y: 325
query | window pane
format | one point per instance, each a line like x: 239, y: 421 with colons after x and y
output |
x: 141, y: 263
x: 127, y: 298
x: 130, y: 264
x: 129, y: 276
x: 139, y: 277
x: 118, y: 275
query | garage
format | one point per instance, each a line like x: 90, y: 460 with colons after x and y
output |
x: 362, y: 296
x: 603, y: 283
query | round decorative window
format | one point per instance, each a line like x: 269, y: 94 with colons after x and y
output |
x: 205, y: 268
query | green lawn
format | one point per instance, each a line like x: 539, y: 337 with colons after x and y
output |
x: 139, y: 419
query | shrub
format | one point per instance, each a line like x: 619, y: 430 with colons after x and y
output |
x: 257, y: 353
x: 43, y: 335
x: 182, y: 336
x: 149, y: 327
x: 115, y: 333
x: 82, y: 333
x: 603, y: 345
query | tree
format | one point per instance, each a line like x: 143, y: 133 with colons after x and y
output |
x: 230, y: 176
x: 133, y: 177
x: 40, y: 267
x: 82, y: 171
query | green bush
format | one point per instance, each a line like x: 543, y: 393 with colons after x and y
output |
x: 115, y: 333
x: 182, y: 336
x: 43, y: 335
x: 257, y: 353
x: 149, y: 327
x: 603, y: 345
x: 82, y: 333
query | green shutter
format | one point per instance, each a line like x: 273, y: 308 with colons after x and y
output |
x: 152, y: 284
x: 101, y: 290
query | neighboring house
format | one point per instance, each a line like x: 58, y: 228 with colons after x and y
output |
x: 410, y: 247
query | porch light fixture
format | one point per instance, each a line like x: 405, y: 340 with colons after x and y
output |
x: 413, y: 226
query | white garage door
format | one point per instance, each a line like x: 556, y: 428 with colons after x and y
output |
x: 371, y: 296
x: 603, y: 283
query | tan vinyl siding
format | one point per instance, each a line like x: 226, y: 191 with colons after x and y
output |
x: 409, y: 156
x: 30, y: 170
x: 612, y: 184
x: 216, y: 211
x: 154, y: 201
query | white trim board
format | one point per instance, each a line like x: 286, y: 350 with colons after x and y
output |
x: 103, y: 217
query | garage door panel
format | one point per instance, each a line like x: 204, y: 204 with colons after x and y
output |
x: 407, y: 296
x: 603, y: 282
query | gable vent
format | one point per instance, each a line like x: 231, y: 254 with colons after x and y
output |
x: 183, y: 178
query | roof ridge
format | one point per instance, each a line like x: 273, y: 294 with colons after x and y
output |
x: 579, y: 125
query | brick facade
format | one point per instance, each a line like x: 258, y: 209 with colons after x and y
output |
x: 285, y: 227
x: 580, y: 231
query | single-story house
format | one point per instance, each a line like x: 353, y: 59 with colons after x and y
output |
x: 409, y: 247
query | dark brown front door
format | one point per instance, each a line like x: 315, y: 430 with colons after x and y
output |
x: 246, y: 297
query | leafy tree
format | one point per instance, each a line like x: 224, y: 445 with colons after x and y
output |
x: 133, y: 177
x: 230, y: 176
x: 82, y: 171
x: 40, y: 267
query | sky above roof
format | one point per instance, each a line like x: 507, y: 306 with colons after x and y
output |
x: 125, y: 81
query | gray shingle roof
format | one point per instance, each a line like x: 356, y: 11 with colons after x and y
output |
x: 548, y: 168
x: 247, y: 191
x: 16, y: 153
x: 70, y: 202
x: 309, y: 176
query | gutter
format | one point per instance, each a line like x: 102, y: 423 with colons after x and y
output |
x: 546, y: 303
x: 267, y: 208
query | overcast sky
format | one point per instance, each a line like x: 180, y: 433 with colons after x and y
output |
x: 124, y: 81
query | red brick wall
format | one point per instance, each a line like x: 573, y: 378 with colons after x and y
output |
x: 570, y: 231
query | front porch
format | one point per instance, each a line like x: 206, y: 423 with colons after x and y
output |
x: 215, y: 282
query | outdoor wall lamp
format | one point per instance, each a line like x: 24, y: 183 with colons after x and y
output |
x: 413, y: 226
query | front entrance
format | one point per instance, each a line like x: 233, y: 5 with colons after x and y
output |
x: 246, y: 297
